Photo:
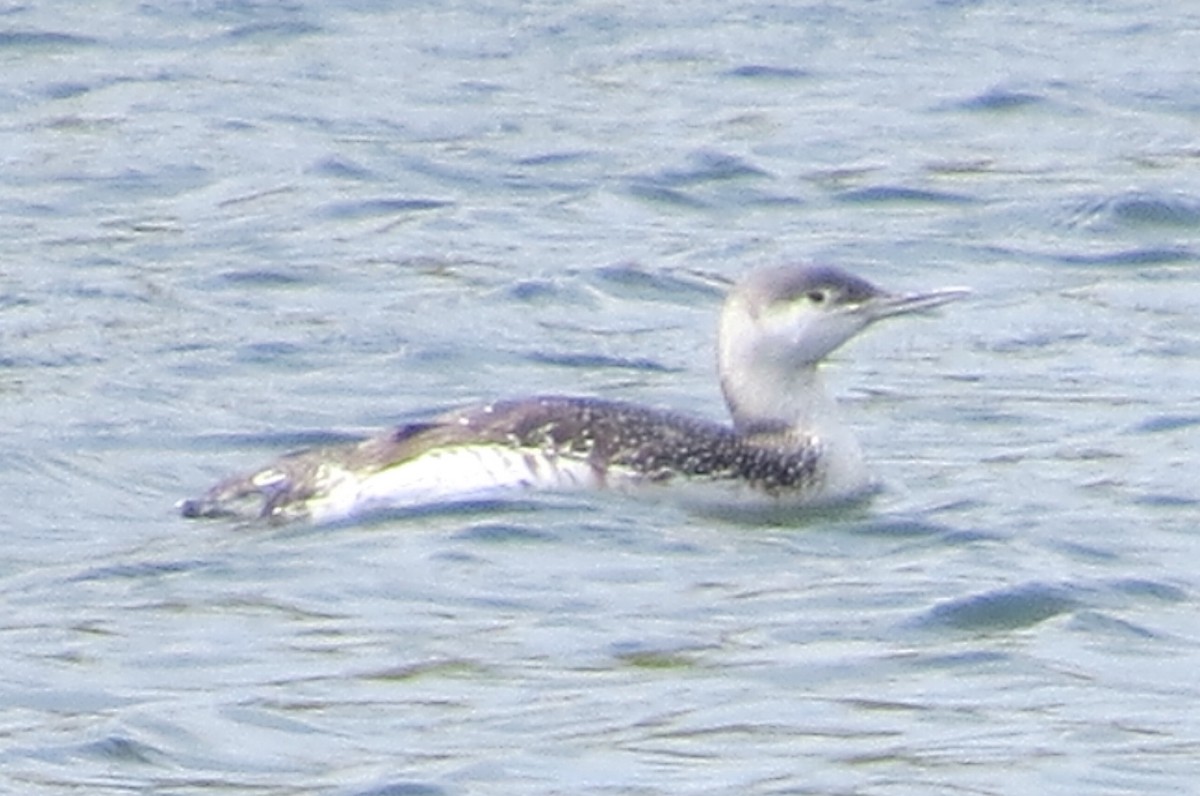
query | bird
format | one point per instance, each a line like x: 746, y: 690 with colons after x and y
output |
x: 786, y: 446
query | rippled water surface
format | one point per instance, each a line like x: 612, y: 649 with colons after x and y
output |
x: 233, y: 229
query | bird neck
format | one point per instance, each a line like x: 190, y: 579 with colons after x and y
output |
x: 792, y: 411
x: 792, y: 401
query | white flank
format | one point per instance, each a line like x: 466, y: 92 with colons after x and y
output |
x: 461, y: 474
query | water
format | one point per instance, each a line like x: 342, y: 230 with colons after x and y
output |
x: 232, y: 229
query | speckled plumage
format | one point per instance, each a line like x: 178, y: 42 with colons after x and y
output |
x: 655, y: 444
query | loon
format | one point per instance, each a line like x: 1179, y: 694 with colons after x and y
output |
x: 787, y: 446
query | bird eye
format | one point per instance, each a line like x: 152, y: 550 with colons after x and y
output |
x: 816, y: 296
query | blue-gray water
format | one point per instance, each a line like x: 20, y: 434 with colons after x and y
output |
x: 234, y: 228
